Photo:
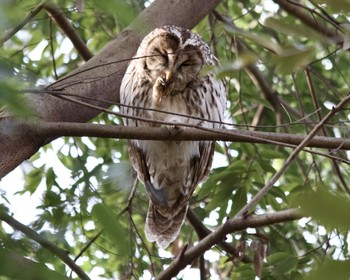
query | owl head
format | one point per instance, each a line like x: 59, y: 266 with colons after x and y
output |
x: 174, y: 56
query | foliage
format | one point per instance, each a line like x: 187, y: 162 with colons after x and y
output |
x: 306, y: 71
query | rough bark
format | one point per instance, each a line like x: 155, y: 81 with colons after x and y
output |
x: 100, y: 78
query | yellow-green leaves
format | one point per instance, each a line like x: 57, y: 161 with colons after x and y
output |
x: 112, y: 228
x: 330, y: 269
x: 329, y: 209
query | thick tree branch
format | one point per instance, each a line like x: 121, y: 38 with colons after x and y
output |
x: 101, y: 76
x: 62, y: 254
x: 217, y: 236
x: 50, y: 130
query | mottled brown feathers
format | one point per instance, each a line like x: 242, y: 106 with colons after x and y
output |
x: 165, y: 76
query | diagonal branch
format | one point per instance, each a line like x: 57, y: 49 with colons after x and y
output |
x: 217, y: 236
x: 68, y: 29
x: 202, y: 231
x: 62, y: 254
x: 246, y: 209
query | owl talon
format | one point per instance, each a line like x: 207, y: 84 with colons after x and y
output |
x: 162, y: 82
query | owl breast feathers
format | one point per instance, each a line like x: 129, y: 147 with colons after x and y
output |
x: 163, y: 82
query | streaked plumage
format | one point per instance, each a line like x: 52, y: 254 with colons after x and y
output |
x: 165, y: 75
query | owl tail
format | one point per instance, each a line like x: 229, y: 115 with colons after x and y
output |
x: 161, y: 229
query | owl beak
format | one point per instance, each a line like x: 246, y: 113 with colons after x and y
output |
x: 168, y: 76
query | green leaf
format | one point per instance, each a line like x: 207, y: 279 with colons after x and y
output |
x: 282, y: 263
x: 262, y: 40
x: 124, y: 11
x: 336, y: 6
x: 33, y: 179
x: 239, y: 199
x: 326, y: 207
x: 290, y: 59
x: 113, y: 229
x: 12, y: 99
x: 18, y: 267
x: 242, y: 61
x: 52, y: 199
x: 280, y: 25
x: 271, y: 154
x: 330, y: 269
x: 50, y: 178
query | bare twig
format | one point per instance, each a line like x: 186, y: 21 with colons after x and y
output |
x: 217, y: 236
x: 62, y: 254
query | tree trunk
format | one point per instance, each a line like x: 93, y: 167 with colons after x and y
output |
x: 100, y: 78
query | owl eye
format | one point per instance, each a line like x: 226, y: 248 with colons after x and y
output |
x: 161, y: 54
x: 186, y: 64
x: 164, y: 56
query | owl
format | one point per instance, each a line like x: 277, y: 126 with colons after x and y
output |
x: 165, y: 82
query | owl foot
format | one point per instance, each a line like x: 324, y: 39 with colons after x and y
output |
x: 172, y: 129
x: 161, y: 90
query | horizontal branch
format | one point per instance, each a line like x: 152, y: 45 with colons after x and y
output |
x: 217, y: 236
x: 54, y: 129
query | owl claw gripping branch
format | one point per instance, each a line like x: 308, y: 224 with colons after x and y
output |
x: 166, y: 76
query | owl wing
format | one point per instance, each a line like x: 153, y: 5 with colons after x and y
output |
x: 163, y: 224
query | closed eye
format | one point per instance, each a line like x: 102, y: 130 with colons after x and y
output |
x: 165, y: 56
x: 158, y: 52
x: 186, y: 63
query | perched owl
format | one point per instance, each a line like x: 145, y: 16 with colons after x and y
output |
x: 164, y: 77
